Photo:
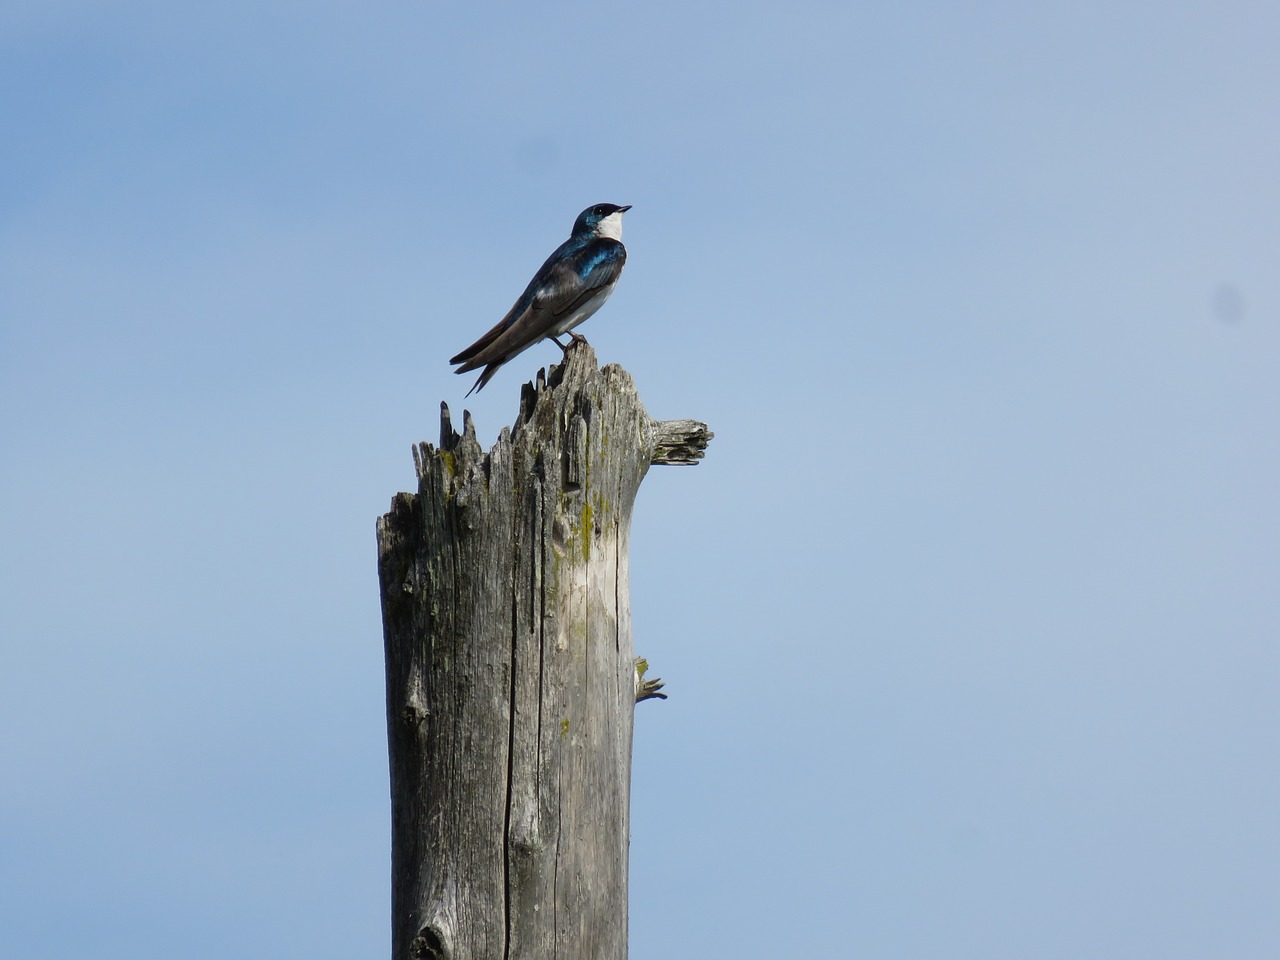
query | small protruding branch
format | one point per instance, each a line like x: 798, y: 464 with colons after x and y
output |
x: 647, y: 689
x: 680, y: 442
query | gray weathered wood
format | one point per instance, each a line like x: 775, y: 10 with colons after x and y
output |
x: 511, y: 679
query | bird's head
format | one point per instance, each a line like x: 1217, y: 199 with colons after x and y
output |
x: 602, y: 220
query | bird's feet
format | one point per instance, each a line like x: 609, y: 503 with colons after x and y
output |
x: 574, y: 340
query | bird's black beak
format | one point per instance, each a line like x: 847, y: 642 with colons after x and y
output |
x: 624, y: 208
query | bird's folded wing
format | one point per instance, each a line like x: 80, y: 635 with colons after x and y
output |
x: 558, y: 289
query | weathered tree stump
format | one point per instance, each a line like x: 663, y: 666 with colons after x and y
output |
x: 511, y: 680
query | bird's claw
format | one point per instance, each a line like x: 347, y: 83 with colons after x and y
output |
x: 574, y: 340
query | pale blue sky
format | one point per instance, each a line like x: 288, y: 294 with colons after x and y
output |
x: 971, y: 618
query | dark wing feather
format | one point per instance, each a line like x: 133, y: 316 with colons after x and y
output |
x: 578, y: 278
x: 466, y: 355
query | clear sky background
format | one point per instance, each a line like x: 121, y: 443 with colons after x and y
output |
x: 970, y: 619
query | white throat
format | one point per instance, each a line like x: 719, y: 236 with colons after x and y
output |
x: 610, y: 226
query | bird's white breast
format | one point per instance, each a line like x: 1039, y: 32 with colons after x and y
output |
x: 610, y: 226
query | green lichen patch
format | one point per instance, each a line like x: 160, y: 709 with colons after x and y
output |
x: 586, y: 528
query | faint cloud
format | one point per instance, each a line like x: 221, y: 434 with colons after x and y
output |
x: 1227, y: 303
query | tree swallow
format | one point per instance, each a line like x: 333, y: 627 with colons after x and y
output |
x: 573, y: 284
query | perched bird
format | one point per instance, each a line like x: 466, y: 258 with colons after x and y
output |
x: 572, y: 285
